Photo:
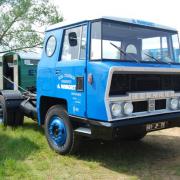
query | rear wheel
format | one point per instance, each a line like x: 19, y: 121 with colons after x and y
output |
x: 10, y: 117
x: 59, y: 131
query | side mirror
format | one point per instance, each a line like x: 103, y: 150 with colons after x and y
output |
x: 72, y: 39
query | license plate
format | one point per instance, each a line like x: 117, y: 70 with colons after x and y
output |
x: 155, y: 126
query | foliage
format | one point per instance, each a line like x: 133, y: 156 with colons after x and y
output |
x: 25, y: 154
x: 22, y: 22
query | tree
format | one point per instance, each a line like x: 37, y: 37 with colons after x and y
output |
x: 22, y: 23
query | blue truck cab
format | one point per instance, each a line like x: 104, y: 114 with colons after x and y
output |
x: 98, y: 78
x: 105, y: 78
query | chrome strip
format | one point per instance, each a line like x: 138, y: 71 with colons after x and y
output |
x: 140, y: 96
x: 77, y: 117
x: 126, y: 69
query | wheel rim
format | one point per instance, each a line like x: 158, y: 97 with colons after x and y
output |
x: 57, y: 131
x: 1, y: 113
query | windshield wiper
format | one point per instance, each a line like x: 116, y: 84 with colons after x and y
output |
x: 118, y: 48
x: 152, y: 57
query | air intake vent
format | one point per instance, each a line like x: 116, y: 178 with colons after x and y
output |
x: 123, y: 83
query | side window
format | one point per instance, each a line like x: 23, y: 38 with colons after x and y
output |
x: 83, y: 43
x: 96, y: 41
x: 74, y: 45
x: 50, y: 46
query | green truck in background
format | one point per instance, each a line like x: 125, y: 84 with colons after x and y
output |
x: 18, y: 70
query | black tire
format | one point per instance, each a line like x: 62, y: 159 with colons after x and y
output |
x: 10, y: 117
x: 68, y: 145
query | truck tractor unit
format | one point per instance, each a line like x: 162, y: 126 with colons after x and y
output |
x: 105, y: 78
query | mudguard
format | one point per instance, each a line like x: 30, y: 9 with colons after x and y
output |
x: 12, y: 114
x: 12, y: 98
x: 11, y: 94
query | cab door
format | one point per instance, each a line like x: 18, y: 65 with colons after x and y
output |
x: 70, y: 74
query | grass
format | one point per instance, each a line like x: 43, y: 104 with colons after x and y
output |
x: 25, y: 154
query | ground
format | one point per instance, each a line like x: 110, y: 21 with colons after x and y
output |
x: 25, y: 154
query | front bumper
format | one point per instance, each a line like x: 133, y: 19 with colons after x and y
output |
x: 121, y: 128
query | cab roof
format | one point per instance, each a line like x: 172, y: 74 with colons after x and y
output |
x: 117, y: 19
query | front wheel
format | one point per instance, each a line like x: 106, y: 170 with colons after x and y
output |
x: 59, y: 131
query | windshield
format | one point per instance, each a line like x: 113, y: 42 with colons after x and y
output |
x: 115, y: 41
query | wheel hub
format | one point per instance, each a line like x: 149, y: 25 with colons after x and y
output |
x: 57, y: 131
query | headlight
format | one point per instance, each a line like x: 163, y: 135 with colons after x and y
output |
x: 173, y: 104
x: 116, y: 109
x: 128, y: 108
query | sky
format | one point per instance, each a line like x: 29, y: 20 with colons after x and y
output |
x: 165, y: 12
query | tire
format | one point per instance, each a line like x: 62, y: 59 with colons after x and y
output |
x: 59, y: 131
x: 10, y: 117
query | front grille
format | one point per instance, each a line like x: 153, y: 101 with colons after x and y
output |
x: 149, y: 93
x: 123, y: 83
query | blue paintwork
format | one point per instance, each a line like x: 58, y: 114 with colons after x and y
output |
x: 97, y: 90
x: 57, y: 131
x: 52, y: 72
x: 46, y: 70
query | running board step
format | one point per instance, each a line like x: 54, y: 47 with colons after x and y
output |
x: 83, y: 131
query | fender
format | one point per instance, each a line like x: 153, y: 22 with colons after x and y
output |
x: 12, y: 98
